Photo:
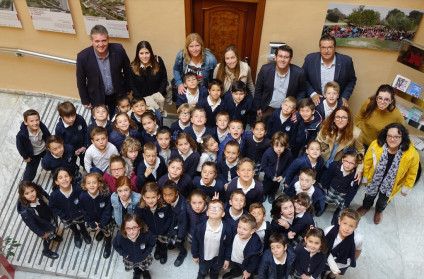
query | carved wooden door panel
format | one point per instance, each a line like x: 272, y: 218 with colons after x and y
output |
x: 225, y: 23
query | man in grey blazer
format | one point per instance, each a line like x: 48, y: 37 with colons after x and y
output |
x: 103, y: 71
x: 328, y: 65
x: 276, y: 81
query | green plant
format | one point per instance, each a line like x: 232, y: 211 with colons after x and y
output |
x: 8, y: 245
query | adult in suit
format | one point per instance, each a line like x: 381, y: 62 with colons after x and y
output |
x: 276, y: 81
x: 103, y: 71
x: 328, y: 65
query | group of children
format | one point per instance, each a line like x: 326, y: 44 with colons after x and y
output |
x: 198, y: 180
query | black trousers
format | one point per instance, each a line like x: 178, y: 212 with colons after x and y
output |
x: 379, y: 206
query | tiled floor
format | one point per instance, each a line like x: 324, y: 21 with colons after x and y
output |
x: 393, y: 249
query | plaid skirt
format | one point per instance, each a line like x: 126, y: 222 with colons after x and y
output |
x: 143, y: 265
x: 75, y: 221
x: 52, y: 234
x: 162, y: 238
x: 258, y: 168
x: 108, y: 229
x: 296, y: 275
x: 174, y: 239
x: 335, y: 197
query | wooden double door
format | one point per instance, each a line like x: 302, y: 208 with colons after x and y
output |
x: 223, y: 23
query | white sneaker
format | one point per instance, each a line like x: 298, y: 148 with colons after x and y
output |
x: 164, y: 113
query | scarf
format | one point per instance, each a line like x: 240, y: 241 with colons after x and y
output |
x: 385, y: 183
x: 230, y: 77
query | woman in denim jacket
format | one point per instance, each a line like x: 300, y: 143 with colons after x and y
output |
x: 194, y: 58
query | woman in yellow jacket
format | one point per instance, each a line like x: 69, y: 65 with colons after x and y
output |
x: 390, y: 166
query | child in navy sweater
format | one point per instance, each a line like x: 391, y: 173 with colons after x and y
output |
x: 282, y: 213
x: 307, y: 128
x: 276, y: 262
x: 150, y: 128
x: 134, y: 242
x: 263, y: 227
x: 212, y: 104
x: 345, y: 246
x: 175, y: 174
x: 235, y: 209
x: 60, y: 155
x: 131, y: 150
x: 227, y: 165
x: 251, y: 187
x: 100, y: 118
x: 211, y: 246
x: 255, y: 144
x: 311, y: 255
x: 186, y: 151
x: 239, y: 104
x: 178, y: 230
x: 31, y: 142
x: 339, y: 182
x: 197, y: 204
x: 123, y: 127
x: 303, y: 220
x: 198, y: 127
x: 33, y: 206
x: 96, y: 208
x: 158, y: 218
x: 64, y: 202
x: 152, y: 167
x: 72, y: 128
x: 208, y: 183
x: 311, y: 159
x: 163, y: 143
x: 306, y: 183
x: 183, y: 120
x: 280, y: 119
x: 275, y: 162
x: 222, y: 120
x: 246, y: 249
x: 195, y: 93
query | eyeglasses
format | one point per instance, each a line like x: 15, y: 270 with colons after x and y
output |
x: 327, y: 48
x: 133, y: 229
x: 185, y: 114
x: 394, y: 137
x: 381, y: 99
x: 215, y: 208
x: 341, y: 118
x: 115, y: 170
x: 349, y: 163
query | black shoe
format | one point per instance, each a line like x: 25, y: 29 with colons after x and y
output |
x: 50, y: 254
x: 156, y: 254
x: 100, y: 236
x: 146, y: 274
x: 163, y: 254
x: 171, y: 246
x: 77, y: 240
x: 58, y: 238
x: 180, y: 259
x: 335, y: 219
x: 232, y: 274
x: 200, y: 276
x: 136, y: 275
x: 87, y: 238
x: 271, y: 198
x: 108, y: 246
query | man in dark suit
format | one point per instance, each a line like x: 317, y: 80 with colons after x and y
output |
x: 276, y: 81
x: 103, y: 71
x: 328, y: 65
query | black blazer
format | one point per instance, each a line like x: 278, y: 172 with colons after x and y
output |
x: 89, y: 79
x: 265, y: 85
x: 344, y: 74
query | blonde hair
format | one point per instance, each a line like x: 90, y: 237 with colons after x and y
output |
x: 191, y: 38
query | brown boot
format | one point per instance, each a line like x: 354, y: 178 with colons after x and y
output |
x: 377, y: 217
x: 362, y: 211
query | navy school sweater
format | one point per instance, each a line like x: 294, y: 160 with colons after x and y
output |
x: 224, y: 143
x: 210, y: 190
x: 37, y: 223
x: 141, y: 169
x: 134, y: 251
x: 96, y: 210
x: 251, y: 253
x: 254, y: 195
x: 190, y: 163
x: 300, y: 163
x: 159, y: 120
x: 268, y: 268
x: 317, y: 199
x: 184, y: 184
x: 244, y: 111
x: 146, y: 137
x: 304, y: 133
x: 208, y: 131
x: 117, y: 138
x: 198, y: 242
x: 108, y: 127
x: 252, y: 149
x: 66, y: 208
x: 302, y: 224
x: 67, y: 161
x: 333, y: 177
x: 275, y: 166
x: 345, y: 249
x: 210, y: 115
x: 76, y: 134
x: 179, y: 219
x: 23, y: 143
x: 274, y: 125
x: 230, y: 220
x: 223, y: 170
x: 158, y: 222
x: 195, y: 218
x: 305, y: 264
x: 182, y: 98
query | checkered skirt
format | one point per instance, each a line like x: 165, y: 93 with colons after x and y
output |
x: 143, y: 265
x: 75, y: 221
x: 108, y: 229
x: 335, y: 197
